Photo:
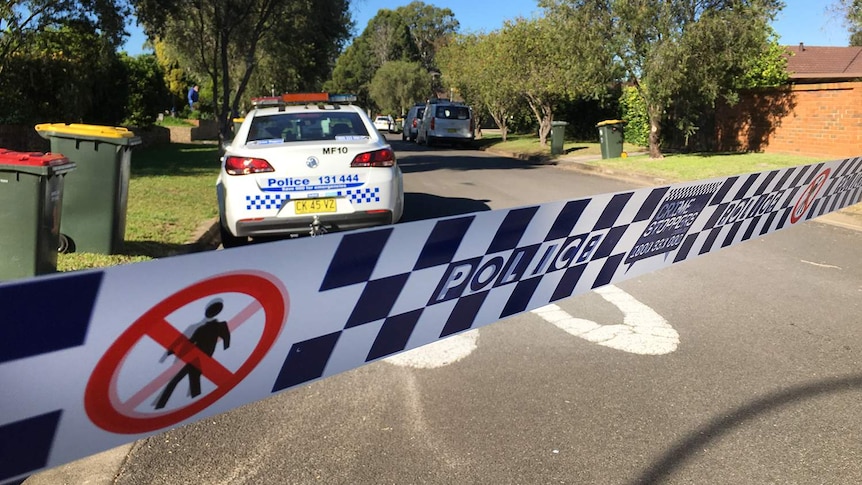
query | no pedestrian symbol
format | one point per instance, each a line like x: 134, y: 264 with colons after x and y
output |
x: 808, y: 196
x: 196, y: 354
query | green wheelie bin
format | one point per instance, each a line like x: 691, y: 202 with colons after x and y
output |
x: 611, y: 138
x: 96, y: 195
x: 558, y: 134
x: 31, y: 197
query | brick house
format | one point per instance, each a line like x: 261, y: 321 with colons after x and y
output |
x: 818, y: 114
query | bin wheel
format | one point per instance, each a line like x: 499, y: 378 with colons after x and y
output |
x: 228, y: 240
x: 66, y: 244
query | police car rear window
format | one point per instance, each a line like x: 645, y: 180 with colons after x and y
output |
x: 296, y: 127
x: 453, y: 112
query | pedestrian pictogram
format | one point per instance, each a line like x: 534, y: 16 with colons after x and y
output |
x: 197, y: 353
x: 204, y: 337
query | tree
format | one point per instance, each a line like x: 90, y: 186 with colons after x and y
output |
x: 851, y: 12
x: 410, y: 33
x: 428, y: 26
x: 65, y: 74
x: 224, y: 41
x: 398, y: 84
x: 681, y: 55
x: 768, y: 69
x: 147, y: 90
x: 483, y: 71
x: 553, y: 64
x: 21, y: 21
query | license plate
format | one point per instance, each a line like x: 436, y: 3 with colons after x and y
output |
x: 452, y: 130
x: 313, y: 206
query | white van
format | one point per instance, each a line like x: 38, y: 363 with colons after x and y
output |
x: 412, y: 122
x: 445, y: 121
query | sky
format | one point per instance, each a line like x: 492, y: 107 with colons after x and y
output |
x: 806, y: 21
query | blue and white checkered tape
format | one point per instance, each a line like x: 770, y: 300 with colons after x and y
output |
x: 343, y: 300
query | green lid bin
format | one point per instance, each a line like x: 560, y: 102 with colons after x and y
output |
x: 96, y: 195
x: 31, y: 195
x: 558, y: 134
x: 611, y: 138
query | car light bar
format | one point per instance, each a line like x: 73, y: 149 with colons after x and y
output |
x: 301, y: 98
x: 342, y: 98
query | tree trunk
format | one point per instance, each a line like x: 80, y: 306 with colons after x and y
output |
x: 544, y: 115
x: 502, y: 119
x: 654, y: 113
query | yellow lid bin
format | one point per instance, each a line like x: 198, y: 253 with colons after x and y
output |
x: 96, y: 193
x: 79, y: 130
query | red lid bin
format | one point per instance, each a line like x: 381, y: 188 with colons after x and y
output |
x: 31, y: 195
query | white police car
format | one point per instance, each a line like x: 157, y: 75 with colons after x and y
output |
x: 306, y: 164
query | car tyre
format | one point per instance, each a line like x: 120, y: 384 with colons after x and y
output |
x: 66, y: 244
x: 228, y: 240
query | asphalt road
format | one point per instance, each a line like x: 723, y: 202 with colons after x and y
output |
x: 744, y: 368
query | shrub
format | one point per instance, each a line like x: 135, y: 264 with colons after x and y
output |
x: 633, y: 111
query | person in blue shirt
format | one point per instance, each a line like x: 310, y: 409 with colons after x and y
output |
x: 193, y: 96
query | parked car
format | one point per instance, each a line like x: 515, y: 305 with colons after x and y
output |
x: 383, y: 123
x: 303, y: 165
x: 412, y: 122
x: 445, y: 121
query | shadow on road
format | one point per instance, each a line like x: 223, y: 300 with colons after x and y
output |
x: 698, y: 439
x: 427, y: 206
x: 415, y: 158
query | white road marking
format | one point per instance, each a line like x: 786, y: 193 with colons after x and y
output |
x: 820, y: 265
x: 643, y: 331
x: 438, y: 354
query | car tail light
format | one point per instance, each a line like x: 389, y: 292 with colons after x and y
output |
x: 432, y: 122
x: 415, y: 123
x: 377, y: 158
x: 245, y: 165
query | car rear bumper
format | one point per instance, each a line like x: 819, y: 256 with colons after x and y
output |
x: 276, y: 226
x: 450, y: 137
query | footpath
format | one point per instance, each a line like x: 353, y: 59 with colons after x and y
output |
x: 103, y: 468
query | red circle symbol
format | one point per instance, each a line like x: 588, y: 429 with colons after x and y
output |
x: 808, y: 196
x: 101, y: 401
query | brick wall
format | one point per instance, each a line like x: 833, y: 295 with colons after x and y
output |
x: 812, y: 119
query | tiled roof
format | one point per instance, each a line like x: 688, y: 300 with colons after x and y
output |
x: 816, y: 62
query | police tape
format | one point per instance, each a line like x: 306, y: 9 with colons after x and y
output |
x: 91, y: 360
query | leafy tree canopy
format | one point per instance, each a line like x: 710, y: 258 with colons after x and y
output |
x: 681, y: 55
x: 21, y: 21
x: 850, y: 11
x: 410, y: 33
x: 240, y: 46
x: 398, y: 84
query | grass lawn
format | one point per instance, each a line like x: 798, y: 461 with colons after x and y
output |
x: 681, y: 167
x: 171, y: 192
x: 173, y: 121
x: 673, y: 167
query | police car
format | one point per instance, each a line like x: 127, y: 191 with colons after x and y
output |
x: 306, y: 164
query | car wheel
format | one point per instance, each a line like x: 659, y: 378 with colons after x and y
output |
x: 66, y: 244
x: 228, y: 240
